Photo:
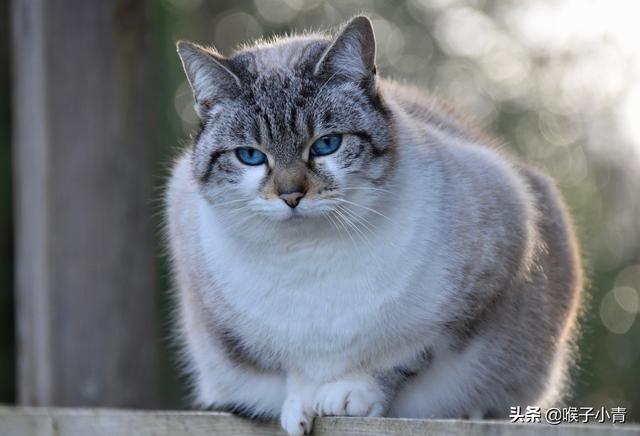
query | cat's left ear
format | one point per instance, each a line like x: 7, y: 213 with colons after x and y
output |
x: 210, y: 75
x: 352, y: 54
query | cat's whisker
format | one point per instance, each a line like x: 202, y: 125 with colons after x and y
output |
x: 242, y: 217
x: 339, y: 218
x: 366, y: 278
x: 368, y: 225
x: 328, y: 215
x: 235, y: 224
x: 364, y: 207
x: 241, y: 209
x: 358, y: 218
x: 352, y: 220
x: 366, y: 188
x: 340, y: 221
x: 226, y: 203
x: 358, y: 232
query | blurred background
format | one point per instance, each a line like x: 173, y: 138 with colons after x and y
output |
x: 557, y: 81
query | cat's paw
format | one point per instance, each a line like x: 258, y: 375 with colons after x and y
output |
x: 349, y: 398
x: 295, y: 419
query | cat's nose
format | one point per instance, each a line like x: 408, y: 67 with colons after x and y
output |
x: 291, y: 198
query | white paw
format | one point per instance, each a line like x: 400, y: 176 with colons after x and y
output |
x: 295, y: 420
x: 350, y: 398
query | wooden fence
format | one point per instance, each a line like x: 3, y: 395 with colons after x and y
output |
x: 83, y: 105
x: 111, y: 422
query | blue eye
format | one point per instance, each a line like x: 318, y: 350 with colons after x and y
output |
x: 326, y: 145
x: 250, y: 156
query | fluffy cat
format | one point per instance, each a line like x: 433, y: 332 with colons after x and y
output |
x: 343, y: 245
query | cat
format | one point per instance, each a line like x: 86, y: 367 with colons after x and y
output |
x: 345, y: 245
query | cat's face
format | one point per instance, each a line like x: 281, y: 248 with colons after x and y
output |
x: 292, y: 129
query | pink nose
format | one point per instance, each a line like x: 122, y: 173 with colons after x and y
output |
x: 291, y: 198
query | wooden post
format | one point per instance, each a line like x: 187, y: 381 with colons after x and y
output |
x: 83, y: 156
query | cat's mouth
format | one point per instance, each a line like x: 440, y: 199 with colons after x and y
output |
x: 305, y: 211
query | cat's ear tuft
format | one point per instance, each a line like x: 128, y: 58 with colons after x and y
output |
x: 352, y: 54
x: 209, y: 74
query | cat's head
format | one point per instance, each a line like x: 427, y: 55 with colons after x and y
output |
x: 292, y: 128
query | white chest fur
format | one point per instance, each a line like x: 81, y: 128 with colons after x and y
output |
x: 308, y: 300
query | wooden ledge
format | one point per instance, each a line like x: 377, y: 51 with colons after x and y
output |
x: 28, y: 421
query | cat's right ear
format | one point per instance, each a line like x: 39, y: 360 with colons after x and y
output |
x: 352, y: 54
x: 209, y: 75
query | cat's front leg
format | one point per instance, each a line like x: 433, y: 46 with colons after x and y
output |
x: 353, y: 395
x: 297, y: 411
